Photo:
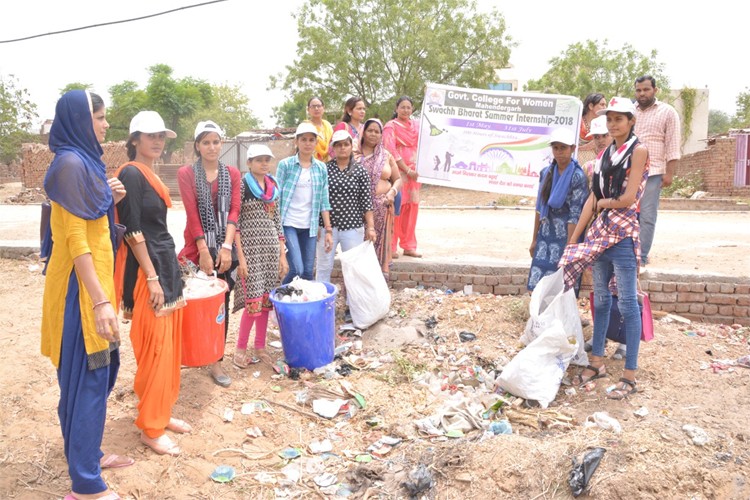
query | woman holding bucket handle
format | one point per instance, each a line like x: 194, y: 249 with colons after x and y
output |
x: 401, y: 138
x: 261, y: 251
x: 80, y: 333
x: 385, y: 183
x: 210, y: 192
x: 315, y: 110
x: 352, y: 120
x: 612, y: 242
x: 351, y: 204
x: 148, y: 277
x: 304, y: 199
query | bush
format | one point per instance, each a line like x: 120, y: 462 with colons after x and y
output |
x: 684, y: 186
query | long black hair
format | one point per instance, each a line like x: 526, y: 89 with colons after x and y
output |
x: 349, y: 107
x: 97, y: 102
x: 593, y: 98
x: 614, y: 175
x: 400, y: 100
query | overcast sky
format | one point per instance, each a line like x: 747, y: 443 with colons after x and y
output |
x: 244, y: 42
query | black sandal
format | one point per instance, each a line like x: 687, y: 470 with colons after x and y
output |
x: 580, y: 380
x: 628, y: 388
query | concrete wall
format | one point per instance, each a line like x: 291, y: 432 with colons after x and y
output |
x: 696, y: 141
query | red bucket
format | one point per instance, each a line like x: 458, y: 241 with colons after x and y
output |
x: 203, y: 329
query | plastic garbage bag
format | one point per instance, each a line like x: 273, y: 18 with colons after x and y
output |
x: 582, y: 472
x: 548, y: 303
x: 537, y: 371
x: 366, y: 289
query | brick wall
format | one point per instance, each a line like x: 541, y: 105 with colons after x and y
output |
x: 709, y: 299
x: 717, y: 166
x: 10, y: 172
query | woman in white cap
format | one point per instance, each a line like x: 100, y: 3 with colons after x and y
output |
x: 563, y: 189
x: 612, y: 242
x: 148, y: 277
x: 304, y: 200
x: 599, y: 136
x: 351, y: 204
x: 261, y: 251
x: 210, y: 192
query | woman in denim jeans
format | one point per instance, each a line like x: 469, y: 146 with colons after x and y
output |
x: 612, y: 243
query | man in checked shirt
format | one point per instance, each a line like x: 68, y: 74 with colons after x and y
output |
x: 657, y: 125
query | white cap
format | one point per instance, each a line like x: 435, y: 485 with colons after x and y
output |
x: 149, y: 122
x: 255, y: 150
x: 619, y: 105
x: 306, y: 128
x: 207, y: 126
x: 340, y: 135
x: 598, y: 127
x: 563, y: 136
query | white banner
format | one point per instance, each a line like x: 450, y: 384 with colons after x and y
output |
x: 490, y: 140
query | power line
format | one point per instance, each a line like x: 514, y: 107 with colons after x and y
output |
x: 112, y: 22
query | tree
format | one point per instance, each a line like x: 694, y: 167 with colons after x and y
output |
x: 742, y: 117
x: 718, y: 122
x: 291, y: 112
x: 592, y: 66
x: 75, y: 86
x: 17, y: 113
x: 381, y: 49
x: 126, y: 99
x: 229, y: 109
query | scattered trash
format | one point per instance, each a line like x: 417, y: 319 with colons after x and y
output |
x: 455, y: 433
x: 292, y: 472
x: 290, y: 453
x: 326, y: 479
x: 318, y: 447
x: 256, y: 374
x: 34, y: 267
x: 468, y: 289
x: 342, y: 348
x: 603, y: 420
x: 698, y: 435
x: 570, y: 391
x: 276, y: 388
x: 254, y: 432
x: 430, y: 322
x: 228, y: 415
x: 265, y: 478
x: 223, y: 474
x: 420, y: 480
x: 255, y: 406
x: 501, y: 427
x: 744, y: 361
x: 467, y: 336
x: 374, y: 421
x: 383, y: 445
x: 641, y: 412
x: 582, y: 472
x: 365, y: 459
x: 275, y: 344
x: 345, y: 369
x: 690, y: 333
x: 328, y: 408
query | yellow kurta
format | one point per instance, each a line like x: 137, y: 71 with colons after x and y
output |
x: 73, y: 237
x: 325, y: 132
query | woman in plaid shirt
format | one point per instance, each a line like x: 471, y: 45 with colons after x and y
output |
x: 612, y: 242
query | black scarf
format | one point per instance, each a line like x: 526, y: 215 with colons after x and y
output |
x: 214, y: 230
x: 610, y: 171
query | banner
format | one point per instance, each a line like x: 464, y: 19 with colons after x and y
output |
x: 488, y: 140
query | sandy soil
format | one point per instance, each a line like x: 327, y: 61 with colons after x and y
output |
x: 652, y: 458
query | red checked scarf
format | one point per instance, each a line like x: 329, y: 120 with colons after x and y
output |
x: 611, y: 225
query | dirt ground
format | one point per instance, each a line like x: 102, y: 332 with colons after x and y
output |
x: 652, y: 458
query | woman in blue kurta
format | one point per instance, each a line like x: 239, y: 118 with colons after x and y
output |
x: 79, y: 318
x: 563, y: 190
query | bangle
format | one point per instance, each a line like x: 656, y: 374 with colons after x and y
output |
x: 226, y: 246
x: 153, y: 278
x: 101, y: 302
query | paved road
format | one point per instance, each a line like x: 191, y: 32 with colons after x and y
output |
x: 714, y: 243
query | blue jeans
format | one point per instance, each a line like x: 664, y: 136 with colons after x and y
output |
x: 647, y: 217
x: 620, y: 260
x: 348, y: 239
x: 300, y: 253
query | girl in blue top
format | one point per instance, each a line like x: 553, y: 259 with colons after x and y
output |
x: 304, y: 199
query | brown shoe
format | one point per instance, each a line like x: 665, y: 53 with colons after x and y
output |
x: 413, y: 253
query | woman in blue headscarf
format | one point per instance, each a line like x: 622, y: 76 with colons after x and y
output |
x: 80, y: 332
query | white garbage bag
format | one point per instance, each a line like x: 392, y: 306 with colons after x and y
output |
x: 366, y: 289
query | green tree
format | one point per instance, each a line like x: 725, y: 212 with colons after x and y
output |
x: 718, y: 122
x: 229, y: 109
x: 126, y: 99
x: 291, y: 112
x: 17, y: 113
x: 75, y: 86
x: 742, y: 117
x: 592, y: 66
x: 381, y: 49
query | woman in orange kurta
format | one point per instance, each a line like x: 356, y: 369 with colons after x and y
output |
x: 80, y: 332
x: 401, y: 138
x: 151, y: 284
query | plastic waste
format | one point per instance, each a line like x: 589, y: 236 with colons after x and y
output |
x: 290, y: 453
x: 604, y: 421
x: 698, y: 435
x: 467, y: 336
x: 223, y: 474
x: 420, y: 480
x: 582, y: 472
x: 501, y: 427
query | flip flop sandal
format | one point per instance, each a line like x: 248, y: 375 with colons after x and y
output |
x: 628, y: 388
x: 114, y: 461
x: 162, y: 448
x: 179, y: 426
x: 580, y: 380
x: 240, y: 361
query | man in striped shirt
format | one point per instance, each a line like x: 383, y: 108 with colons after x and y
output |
x: 657, y: 125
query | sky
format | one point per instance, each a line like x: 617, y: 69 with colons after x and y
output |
x: 244, y: 42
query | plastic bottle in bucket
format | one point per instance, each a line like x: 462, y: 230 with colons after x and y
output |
x: 307, y: 329
x: 203, y: 322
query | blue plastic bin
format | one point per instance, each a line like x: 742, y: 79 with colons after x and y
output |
x: 307, y: 329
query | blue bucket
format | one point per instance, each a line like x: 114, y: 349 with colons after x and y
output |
x: 307, y: 329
